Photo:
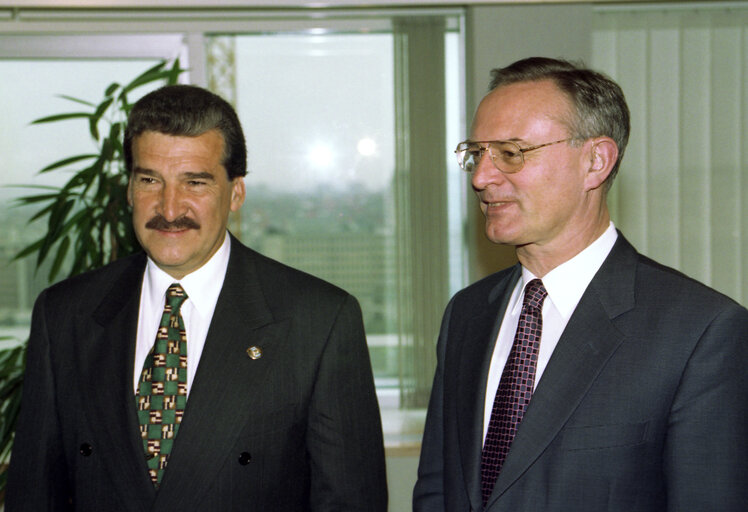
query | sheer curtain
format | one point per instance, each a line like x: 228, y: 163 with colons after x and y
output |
x: 421, y: 186
x: 682, y: 190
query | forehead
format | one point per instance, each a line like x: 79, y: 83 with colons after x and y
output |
x: 156, y: 145
x: 521, y: 110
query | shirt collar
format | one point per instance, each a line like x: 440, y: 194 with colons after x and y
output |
x: 202, y: 286
x: 567, y: 283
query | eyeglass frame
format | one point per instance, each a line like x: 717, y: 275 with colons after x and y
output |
x: 487, y: 149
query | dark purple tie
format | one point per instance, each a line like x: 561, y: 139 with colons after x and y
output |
x: 515, y: 387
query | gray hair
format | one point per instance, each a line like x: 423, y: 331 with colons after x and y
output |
x: 598, y: 102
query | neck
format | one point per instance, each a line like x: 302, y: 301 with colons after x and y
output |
x: 542, y: 258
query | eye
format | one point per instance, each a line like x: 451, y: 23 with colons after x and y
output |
x: 507, y: 152
x: 474, y: 153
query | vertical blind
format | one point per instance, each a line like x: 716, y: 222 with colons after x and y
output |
x: 682, y: 190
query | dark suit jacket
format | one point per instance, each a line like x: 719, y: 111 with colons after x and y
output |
x: 642, y: 407
x: 297, y: 429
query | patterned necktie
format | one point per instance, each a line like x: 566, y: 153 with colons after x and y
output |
x: 515, y: 387
x: 162, y: 392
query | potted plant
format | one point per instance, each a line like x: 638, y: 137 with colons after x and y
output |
x: 88, y: 219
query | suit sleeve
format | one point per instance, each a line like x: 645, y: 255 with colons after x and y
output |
x: 344, y: 436
x: 428, y: 494
x: 37, y: 477
x: 706, y: 450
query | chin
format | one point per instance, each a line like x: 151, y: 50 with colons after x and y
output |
x: 166, y: 259
x: 500, y: 236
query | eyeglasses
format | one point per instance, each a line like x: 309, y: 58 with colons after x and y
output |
x: 506, y: 156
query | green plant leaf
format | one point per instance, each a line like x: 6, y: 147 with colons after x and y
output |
x: 29, y: 249
x: 33, y: 199
x: 76, y: 100
x: 88, y: 222
x: 160, y: 75
x: 57, y: 217
x: 61, y: 117
x: 35, y: 187
x: 88, y: 179
x: 106, y: 149
x: 62, y: 250
x: 44, y: 211
x: 12, y: 365
x: 67, y: 161
x: 144, y: 75
x: 111, y: 89
x: 174, y: 72
x: 114, y: 132
x: 93, y: 127
x: 73, y: 221
x: 102, y: 108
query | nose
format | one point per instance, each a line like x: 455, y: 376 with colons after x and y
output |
x: 172, y: 203
x: 485, y: 173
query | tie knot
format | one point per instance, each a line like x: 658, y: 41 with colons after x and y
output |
x: 535, y: 294
x: 175, y: 296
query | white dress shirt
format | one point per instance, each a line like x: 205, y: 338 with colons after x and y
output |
x: 202, y: 287
x: 565, y: 285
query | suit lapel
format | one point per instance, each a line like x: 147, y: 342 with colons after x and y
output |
x: 474, y: 364
x: 216, y: 412
x: 105, y: 349
x: 589, y: 340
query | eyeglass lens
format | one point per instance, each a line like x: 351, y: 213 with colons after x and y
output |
x: 506, y: 156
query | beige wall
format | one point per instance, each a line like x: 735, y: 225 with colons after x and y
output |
x: 495, y: 37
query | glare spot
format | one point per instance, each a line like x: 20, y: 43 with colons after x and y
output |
x: 320, y: 156
x: 366, y: 146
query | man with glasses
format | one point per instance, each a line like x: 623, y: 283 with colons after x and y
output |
x: 587, y: 377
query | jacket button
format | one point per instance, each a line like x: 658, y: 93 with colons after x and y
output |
x: 86, y: 449
x: 245, y: 458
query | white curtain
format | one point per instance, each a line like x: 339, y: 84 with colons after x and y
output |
x: 682, y: 190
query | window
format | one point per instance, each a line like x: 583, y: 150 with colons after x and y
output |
x: 335, y: 187
x: 36, y: 73
x: 347, y: 120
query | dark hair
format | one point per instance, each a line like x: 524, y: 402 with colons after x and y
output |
x: 598, y: 102
x: 189, y: 111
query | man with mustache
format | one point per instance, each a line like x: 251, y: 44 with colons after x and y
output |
x: 586, y: 378
x: 257, y: 393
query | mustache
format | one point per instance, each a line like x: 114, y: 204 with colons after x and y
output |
x: 160, y: 223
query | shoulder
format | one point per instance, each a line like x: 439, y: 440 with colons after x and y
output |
x: 663, y: 283
x: 90, y: 286
x: 661, y: 295
x: 281, y: 282
x: 489, y: 288
x: 691, y: 305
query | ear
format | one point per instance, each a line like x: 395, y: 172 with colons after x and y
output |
x: 129, y: 190
x: 238, y: 193
x: 603, y: 153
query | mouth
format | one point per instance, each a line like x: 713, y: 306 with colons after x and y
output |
x: 172, y: 230
x: 496, y: 208
x: 496, y: 203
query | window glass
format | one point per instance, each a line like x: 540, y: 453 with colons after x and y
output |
x: 319, y: 121
x: 319, y: 114
x: 32, y: 89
